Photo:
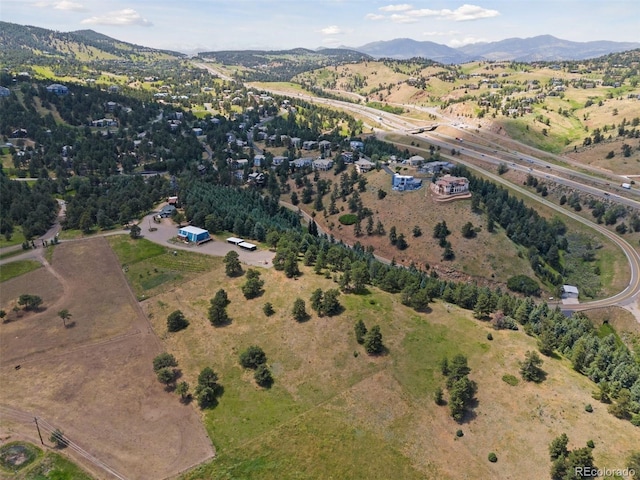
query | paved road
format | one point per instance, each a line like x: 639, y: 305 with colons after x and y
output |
x: 164, y: 231
x: 628, y: 298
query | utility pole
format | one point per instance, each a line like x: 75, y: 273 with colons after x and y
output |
x: 35, y: 419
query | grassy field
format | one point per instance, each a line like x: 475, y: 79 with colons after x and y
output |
x: 335, y: 412
x: 16, y: 238
x: 24, y: 461
x: 99, y: 365
x: 17, y: 268
x: 150, y: 267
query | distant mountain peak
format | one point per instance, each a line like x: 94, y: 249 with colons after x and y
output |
x: 537, y: 48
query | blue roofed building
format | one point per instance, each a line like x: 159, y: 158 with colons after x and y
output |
x: 405, y: 182
x: 194, y: 234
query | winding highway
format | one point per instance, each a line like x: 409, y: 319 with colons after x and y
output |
x: 387, y: 123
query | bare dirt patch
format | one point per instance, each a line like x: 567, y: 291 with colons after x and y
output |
x: 95, y: 381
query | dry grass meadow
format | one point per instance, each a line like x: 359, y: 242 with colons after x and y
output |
x: 94, y: 380
x: 334, y: 412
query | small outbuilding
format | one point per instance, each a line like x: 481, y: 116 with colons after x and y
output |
x: 194, y: 234
x: 167, y: 211
x: 569, y: 291
x: 247, y: 246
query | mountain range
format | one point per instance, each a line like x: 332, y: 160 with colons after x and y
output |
x: 540, y: 48
x: 16, y: 41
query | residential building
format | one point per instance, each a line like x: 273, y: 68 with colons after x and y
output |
x: 450, y: 185
x: 323, y: 164
x: 414, y: 161
x: 405, y: 182
x: 57, y: 89
x: 363, y: 165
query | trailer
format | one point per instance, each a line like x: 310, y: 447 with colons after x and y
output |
x: 626, y: 185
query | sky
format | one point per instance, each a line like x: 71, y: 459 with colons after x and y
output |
x: 207, y: 25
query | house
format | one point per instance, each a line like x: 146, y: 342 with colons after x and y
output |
x: 303, y: 162
x: 172, y: 200
x: 258, y: 160
x: 57, y: 89
x: 194, y: 234
x: 449, y: 185
x: 405, y: 182
x: 323, y: 164
x: 363, y: 165
x: 295, y: 141
x: 104, y: 122
x: 347, y: 157
x: 167, y: 211
x: 309, y: 145
x: 256, y: 178
x: 356, y: 145
x: 324, y: 145
x: 436, y: 167
x: 278, y: 160
x: 197, y: 131
x: 570, y: 291
x: 414, y: 161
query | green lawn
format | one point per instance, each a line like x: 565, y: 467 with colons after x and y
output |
x: 149, y: 266
x: 37, y: 465
x: 17, y: 268
x: 16, y: 238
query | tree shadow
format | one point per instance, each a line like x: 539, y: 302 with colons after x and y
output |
x: 304, y: 319
x: 469, y: 413
x: 71, y: 324
x: 224, y: 323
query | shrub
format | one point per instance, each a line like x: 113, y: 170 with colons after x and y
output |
x: 459, y: 433
x: 263, y: 376
x: 438, y: 396
x: 588, y: 408
x: 57, y: 437
x: 176, y: 321
x: 268, y: 309
x: 164, y: 360
x: 348, y: 219
x: 523, y: 284
x: 493, y: 458
x: 510, y: 379
x: 590, y: 444
x: 489, y: 336
x: 253, y: 357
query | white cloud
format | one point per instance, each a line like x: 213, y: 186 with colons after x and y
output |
x: 397, y: 18
x: 331, y: 30
x: 469, y: 12
x: 461, y: 42
x: 441, y: 34
x: 461, y: 14
x: 396, y: 8
x: 128, y: 16
x: 67, y: 5
x: 62, y: 5
x: 407, y: 14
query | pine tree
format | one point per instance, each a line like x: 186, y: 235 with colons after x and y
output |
x: 361, y: 331
x: 373, y: 341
